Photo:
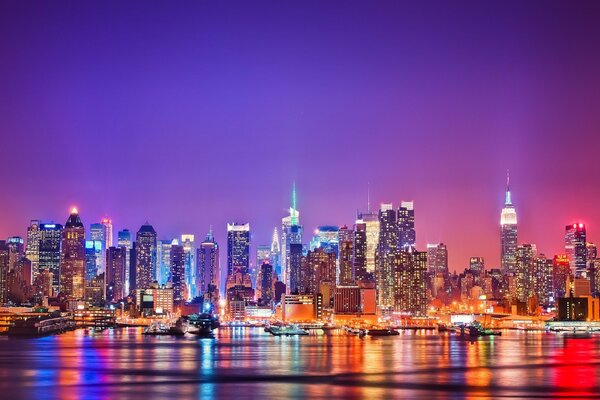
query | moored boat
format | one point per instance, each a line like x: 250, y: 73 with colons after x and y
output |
x: 287, y: 330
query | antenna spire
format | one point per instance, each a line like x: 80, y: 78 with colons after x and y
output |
x: 294, y: 219
x: 368, y: 197
x: 507, y: 200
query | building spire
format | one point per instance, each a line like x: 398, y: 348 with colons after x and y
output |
x: 368, y: 197
x: 294, y: 218
x: 508, y: 201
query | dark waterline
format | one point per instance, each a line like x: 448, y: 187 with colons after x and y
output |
x: 249, y: 363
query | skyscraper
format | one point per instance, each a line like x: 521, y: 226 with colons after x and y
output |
x: 371, y: 221
x: 189, y: 249
x: 386, y: 254
x: 124, y: 240
x: 238, y: 248
x: 561, y: 271
x: 477, y: 265
x: 276, y: 253
x: 207, y: 276
x: 163, y: 260
x: 32, y: 250
x: 93, y: 251
x: 266, y: 283
x: 4, y: 270
x: 359, y: 248
x: 437, y: 259
x: 177, y: 272
x: 116, y: 258
x: 575, y: 248
x: 326, y: 237
x: 49, y: 252
x: 145, y: 256
x: 406, y: 225
x: 346, y: 251
x: 541, y: 280
x: 508, y: 233
x: 291, y: 233
x: 98, y: 235
x: 108, y: 232
x: 72, y: 260
x: 524, y: 270
x: 295, y: 269
x: 410, y: 282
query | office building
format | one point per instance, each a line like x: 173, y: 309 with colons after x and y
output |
x: 238, y: 248
x: 508, y: 233
x: 72, y: 260
x: 575, y: 248
x: 145, y: 257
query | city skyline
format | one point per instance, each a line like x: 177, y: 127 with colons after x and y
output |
x: 249, y: 99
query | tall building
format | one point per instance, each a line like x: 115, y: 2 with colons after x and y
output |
x: 108, y: 232
x: 177, y: 272
x: 345, y: 263
x: 386, y: 254
x: 291, y: 233
x: 93, y: 257
x: 410, y: 282
x: 477, y: 265
x: 32, y: 250
x: 263, y: 253
x: 526, y: 254
x: 326, y: 237
x: 98, y: 235
x: 16, y: 252
x: 49, y: 252
x: 371, y: 222
x: 276, y: 253
x: 116, y: 265
x: 541, y: 280
x: 124, y: 240
x: 407, y: 235
x: 359, y: 256
x: 238, y: 248
x: 437, y: 259
x: 508, y: 233
x: 298, y: 280
x: 189, y: 249
x: 575, y: 248
x: 207, y: 276
x: 266, y: 283
x: 163, y: 260
x: 4, y: 271
x: 561, y: 273
x: 145, y: 257
x: 72, y: 260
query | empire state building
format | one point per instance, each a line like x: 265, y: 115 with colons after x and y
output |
x: 508, y: 233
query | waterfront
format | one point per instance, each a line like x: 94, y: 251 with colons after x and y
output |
x: 249, y: 363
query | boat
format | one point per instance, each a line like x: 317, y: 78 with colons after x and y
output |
x: 202, y: 324
x: 477, y: 330
x: 381, y: 332
x: 41, y: 326
x: 157, y: 328
x: 287, y: 330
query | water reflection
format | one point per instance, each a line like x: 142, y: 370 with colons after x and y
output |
x: 249, y: 363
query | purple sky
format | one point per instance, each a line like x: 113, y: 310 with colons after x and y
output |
x: 194, y: 114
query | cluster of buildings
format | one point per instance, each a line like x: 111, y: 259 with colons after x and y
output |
x: 369, y: 270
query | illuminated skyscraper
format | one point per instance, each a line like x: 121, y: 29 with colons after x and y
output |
x: 508, y: 233
x: 410, y: 282
x: 297, y: 274
x: 238, y: 248
x: 72, y: 260
x: 526, y: 254
x: 177, y: 271
x: 145, y: 257
x: 189, y: 249
x: 407, y: 235
x: 561, y: 272
x: 437, y: 259
x: 291, y: 233
x: 575, y: 248
x: 163, y: 260
x: 4, y: 270
x: 98, y: 235
x: 108, y: 232
x: 477, y: 265
x: 49, y: 251
x: 326, y: 237
x: 275, y: 259
x: 124, y: 240
x: 359, y: 256
x: 346, y: 251
x: 541, y: 280
x: 93, y: 253
x: 116, y: 258
x: 207, y: 276
x: 32, y: 250
x: 266, y: 283
x: 371, y: 221
x: 16, y: 252
x: 386, y: 254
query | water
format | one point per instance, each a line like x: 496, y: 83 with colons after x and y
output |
x: 249, y: 363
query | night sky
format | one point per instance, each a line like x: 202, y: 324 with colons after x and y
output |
x: 191, y: 114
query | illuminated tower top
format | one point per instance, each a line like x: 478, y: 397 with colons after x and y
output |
x: 509, y: 214
x: 293, y: 213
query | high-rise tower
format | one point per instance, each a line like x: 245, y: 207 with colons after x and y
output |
x: 575, y: 248
x: 291, y: 233
x: 508, y: 233
x: 145, y: 257
x: 72, y: 258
